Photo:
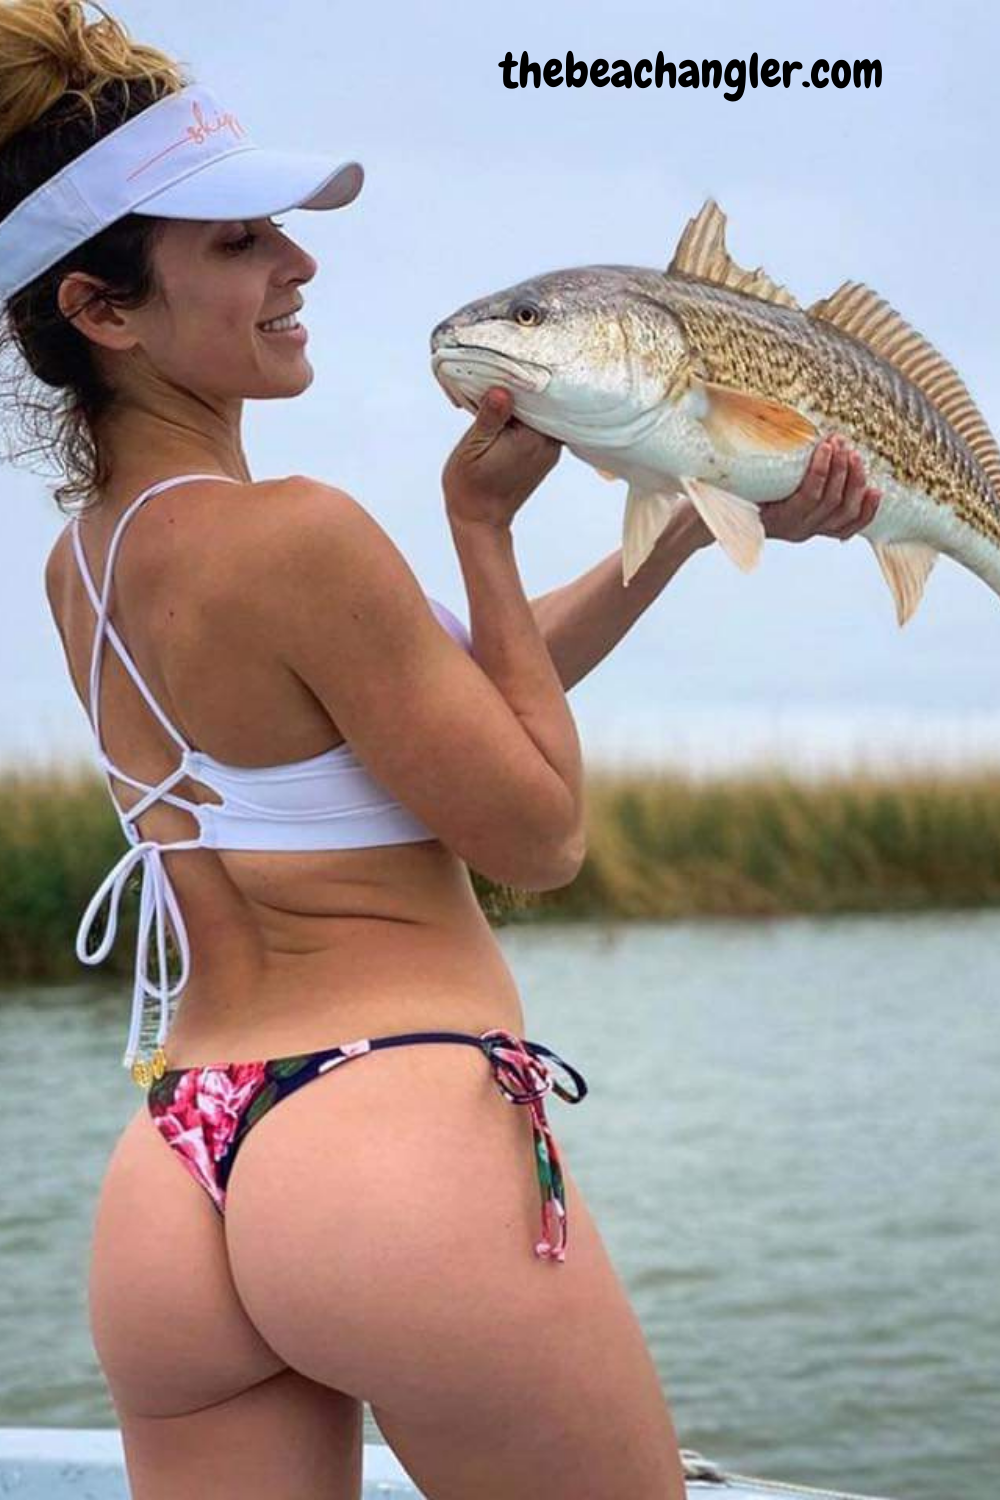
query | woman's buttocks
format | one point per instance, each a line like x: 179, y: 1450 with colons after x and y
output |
x: 295, y: 952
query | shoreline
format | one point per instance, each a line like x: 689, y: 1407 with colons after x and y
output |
x: 661, y: 845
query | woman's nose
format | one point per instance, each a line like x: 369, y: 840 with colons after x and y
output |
x: 301, y: 266
x: 308, y: 266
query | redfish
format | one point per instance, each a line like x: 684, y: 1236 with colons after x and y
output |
x: 710, y: 382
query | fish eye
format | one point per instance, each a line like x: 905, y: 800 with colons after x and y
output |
x: 526, y: 314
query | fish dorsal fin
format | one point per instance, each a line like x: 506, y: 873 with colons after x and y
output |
x: 701, y: 251
x: 857, y: 310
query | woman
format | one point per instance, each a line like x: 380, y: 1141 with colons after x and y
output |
x: 372, y: 1238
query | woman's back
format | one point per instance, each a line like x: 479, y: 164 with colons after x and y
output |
x: 288, y: 946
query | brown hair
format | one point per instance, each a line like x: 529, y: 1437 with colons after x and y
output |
x: 64, y: 84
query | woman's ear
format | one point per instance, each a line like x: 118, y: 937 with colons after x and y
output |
x: 82, y: 302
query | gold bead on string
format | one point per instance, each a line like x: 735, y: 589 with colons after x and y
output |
x: 144, y: 1072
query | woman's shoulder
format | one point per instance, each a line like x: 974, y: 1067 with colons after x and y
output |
x: 295, y: 511
x: 291, y: 497
x: 256, y: 542
x: 293, y: 533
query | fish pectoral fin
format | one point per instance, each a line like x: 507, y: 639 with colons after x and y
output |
x: 647, y: 513
x: 739, y: 423
x: 906, y: 566
x: 734, y: 522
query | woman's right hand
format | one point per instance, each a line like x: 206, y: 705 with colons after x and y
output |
x: 497, y: 464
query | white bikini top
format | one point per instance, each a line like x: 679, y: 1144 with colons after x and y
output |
x: 328, y: 801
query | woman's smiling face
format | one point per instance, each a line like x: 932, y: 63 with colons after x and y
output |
x: 200, y: 331
x: 218, y: 283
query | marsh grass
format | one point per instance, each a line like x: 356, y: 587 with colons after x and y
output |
x: 665, y: 845
x: 661, y: 845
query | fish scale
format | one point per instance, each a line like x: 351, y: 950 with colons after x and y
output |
x: 782, y: 352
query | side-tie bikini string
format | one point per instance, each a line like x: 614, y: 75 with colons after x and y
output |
x: 523, y: 1077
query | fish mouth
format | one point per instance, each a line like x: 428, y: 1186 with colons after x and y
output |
x: 466, y: 372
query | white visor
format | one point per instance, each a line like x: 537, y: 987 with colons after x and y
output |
x: 185, y: 157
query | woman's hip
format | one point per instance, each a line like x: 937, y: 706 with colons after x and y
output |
x: 441, y: 1141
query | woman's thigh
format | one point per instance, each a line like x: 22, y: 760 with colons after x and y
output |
x: 381, y: 1224
x: 285, y: 1438
x: 167, y: 1324
x: 205, y: 1406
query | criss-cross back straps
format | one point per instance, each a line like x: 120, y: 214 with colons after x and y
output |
x: 100, y: 603
x: 158, y: 901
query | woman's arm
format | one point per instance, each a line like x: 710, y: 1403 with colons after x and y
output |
x: 581, y: 621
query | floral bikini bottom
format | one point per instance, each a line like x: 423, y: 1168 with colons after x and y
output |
x: 205, y: 1113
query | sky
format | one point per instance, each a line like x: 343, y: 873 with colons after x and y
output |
x: 471, y: 187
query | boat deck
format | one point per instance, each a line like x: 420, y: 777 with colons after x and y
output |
x: 59, y: 1463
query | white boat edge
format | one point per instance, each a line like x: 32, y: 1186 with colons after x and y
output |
x: 57, y: 1463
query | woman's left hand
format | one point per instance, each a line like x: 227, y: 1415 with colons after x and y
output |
x: 834, y: 498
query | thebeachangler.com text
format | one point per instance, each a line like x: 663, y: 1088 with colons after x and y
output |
x: 734, y: 75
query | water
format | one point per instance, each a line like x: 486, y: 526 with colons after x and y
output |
x: 790, y: 1144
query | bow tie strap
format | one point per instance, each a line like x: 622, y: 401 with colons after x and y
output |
x: 158, y: 902
x: 523, y: 1076
x: 110, y: 886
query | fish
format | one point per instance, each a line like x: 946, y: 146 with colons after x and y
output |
x: 710, y: 384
